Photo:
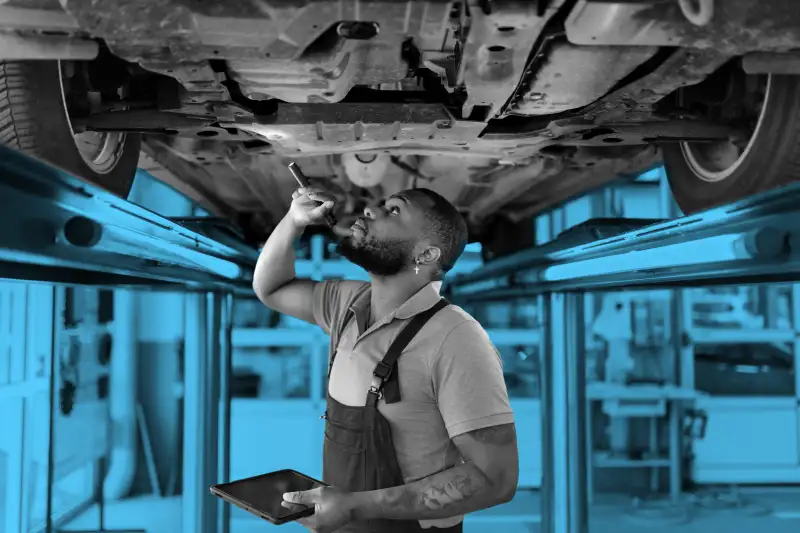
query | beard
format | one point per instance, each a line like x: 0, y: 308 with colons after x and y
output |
x: 381, y: 258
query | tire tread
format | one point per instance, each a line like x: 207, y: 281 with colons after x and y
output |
x: 17, y: 127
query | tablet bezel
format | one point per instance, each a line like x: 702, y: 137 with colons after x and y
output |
x: 219, y: 491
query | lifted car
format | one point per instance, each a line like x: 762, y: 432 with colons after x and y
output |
x: 507, y: 108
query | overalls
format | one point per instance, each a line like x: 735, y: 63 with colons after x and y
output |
x: 358, y: 452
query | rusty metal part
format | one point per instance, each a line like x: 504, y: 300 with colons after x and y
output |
x: 737, y: 26
x: 497, y: 49
x: 571, y: 77
x: 22, y: 47
x: 787, y: 63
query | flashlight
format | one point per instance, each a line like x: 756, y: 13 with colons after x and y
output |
x: 330, y: 221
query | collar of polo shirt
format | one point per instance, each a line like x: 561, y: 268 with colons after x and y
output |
x: 422, y: 300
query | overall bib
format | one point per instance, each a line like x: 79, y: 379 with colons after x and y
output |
x: 358, y: 452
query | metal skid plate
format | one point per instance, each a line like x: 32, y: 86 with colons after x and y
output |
x: 752, y: 241
x: 417, y: 128
x: 57, y: 228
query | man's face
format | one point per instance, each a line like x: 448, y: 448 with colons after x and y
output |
x: 383, y: 241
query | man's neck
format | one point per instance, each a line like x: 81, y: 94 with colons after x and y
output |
x: 390, y: 293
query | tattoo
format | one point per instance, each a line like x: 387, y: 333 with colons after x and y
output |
x: 448, y: 490
x: 457, y: 489
x: 501, y: 435
x: 488, y: 476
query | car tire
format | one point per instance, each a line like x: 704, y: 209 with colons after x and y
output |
x: 34, y: 119
x: 770, y: 159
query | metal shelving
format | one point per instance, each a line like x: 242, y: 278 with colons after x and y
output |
x: 749, y: 439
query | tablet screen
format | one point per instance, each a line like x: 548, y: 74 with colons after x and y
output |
x: 265, y: 493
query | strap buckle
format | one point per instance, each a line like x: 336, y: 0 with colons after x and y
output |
x: 383, y: 371
x: 376, y: 391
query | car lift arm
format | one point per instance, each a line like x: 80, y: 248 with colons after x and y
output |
x: 752, y: 241
x: 57, y: 228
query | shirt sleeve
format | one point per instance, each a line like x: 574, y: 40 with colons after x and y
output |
x: 468, y: 381
x: 331, y: 299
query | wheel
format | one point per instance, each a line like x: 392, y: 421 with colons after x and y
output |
x: 35, y: 97
x: 766, y: 109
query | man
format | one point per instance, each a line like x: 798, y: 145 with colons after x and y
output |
x: 412, y: 442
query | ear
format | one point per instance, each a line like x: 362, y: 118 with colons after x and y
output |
x: 430, y: 256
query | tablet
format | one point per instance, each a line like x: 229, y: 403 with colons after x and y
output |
x: 263, y: 495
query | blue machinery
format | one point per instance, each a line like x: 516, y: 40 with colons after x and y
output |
x: 753, y: 241
x: 58, y: 229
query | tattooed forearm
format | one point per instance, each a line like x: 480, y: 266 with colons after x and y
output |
x: 488, y: 477
x: 458, y: 490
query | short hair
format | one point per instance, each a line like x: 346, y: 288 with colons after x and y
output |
x: 446, y: 227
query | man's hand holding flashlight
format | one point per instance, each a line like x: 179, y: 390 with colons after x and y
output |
x: 310, y: 207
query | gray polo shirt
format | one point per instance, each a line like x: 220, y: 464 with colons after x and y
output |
x: 450, y: 374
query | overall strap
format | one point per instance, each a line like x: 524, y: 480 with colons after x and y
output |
x: 386, y: 384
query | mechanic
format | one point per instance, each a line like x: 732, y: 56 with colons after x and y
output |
x: 446, y: 446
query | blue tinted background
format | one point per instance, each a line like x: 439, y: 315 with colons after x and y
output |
x: 736, y: 363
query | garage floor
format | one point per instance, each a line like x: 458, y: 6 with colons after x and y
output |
x: 773, y: 510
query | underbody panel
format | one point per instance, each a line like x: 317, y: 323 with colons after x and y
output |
x: 506, y: 107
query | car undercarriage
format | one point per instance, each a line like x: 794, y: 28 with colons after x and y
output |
x: 507, y: 108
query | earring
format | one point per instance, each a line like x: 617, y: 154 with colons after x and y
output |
x: 416, y: 267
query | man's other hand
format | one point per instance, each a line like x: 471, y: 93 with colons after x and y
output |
x: 333, y: 508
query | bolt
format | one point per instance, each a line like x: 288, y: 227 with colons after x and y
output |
x: 535, y: 96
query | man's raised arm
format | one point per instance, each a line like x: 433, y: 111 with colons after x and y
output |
x: 274, y: 280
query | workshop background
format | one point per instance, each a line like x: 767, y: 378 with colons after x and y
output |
x: 692, y: 395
